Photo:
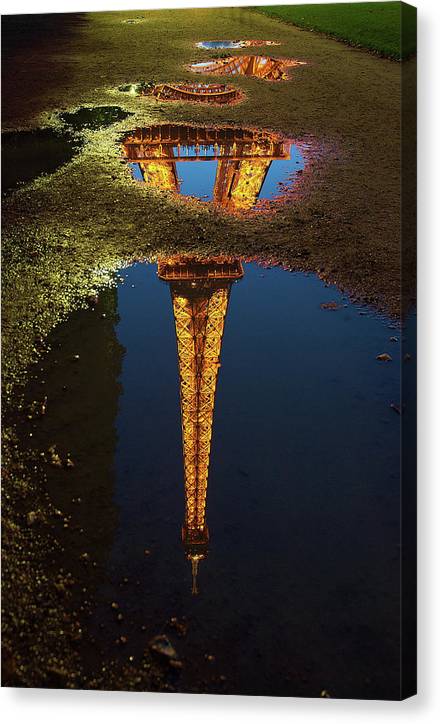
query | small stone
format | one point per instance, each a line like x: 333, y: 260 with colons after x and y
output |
x: 162, y: 645
x: 181, y: 627
x: 115, y: 605
x: 76, y: 357
x: 176, y: 664
x: 54, y: 458
x: 332, y: 306
x: 32, y: 517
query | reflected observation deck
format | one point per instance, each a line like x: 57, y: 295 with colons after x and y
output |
x: 243, y: 158
x: 192, y: 92
x: 211, y: 93
x: 200, y: 290
x: 221, y: 44
x: 256, y: 66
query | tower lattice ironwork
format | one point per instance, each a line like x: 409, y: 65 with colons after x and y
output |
x: 243, y: 158
x: 259, y: 66
x: 200, y: 292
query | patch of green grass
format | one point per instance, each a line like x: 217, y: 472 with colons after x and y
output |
x: 387, y: 28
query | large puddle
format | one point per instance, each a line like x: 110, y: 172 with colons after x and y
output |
x: 223, y: 44
x: 29, y: 154
x: 238, y: 169
x: 257, y: 66
x: 254, y: 472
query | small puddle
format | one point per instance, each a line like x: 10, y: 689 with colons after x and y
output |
x: 213, y: 44
x: 238, y: 169
x: 94, y: 118
x: 29, y: 154
x: 257, y: 66
x: 143, y: 88
x: 269, y: 380
x: 212, y: 93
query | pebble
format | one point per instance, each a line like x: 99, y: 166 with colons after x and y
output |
x: 32, y: 517
x: 162, y: 645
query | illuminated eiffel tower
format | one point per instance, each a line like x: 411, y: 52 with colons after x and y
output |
x: 200, y: 290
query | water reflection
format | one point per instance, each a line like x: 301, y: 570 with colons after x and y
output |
x: 240, y: 169
x: 258, y: 66
x: 295, y: 536
x: 215, y: 44
x: 200, y: 290
x: 213, y: 93
x: 196, y: 92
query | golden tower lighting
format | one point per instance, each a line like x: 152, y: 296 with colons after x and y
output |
x: 243, y: 158
x: 200, y: 290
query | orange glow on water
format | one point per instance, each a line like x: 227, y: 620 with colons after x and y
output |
x: 200, y: 290
x: 257, y: 66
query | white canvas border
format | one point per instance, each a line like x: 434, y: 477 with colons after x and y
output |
x: 47, y: 706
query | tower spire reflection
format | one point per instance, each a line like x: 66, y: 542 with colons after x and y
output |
x: 200, y: 290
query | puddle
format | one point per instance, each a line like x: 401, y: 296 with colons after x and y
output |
x: 212, y: 93
x: 233, y: 378
x: 94, y: 118
x: 143, y: 88
x: 29, y: 154
x: 215, y: 93
x: 212, y: 44
x: 239, y: 169
x: 257, y: 66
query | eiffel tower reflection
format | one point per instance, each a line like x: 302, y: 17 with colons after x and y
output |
x: 200, y: 290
